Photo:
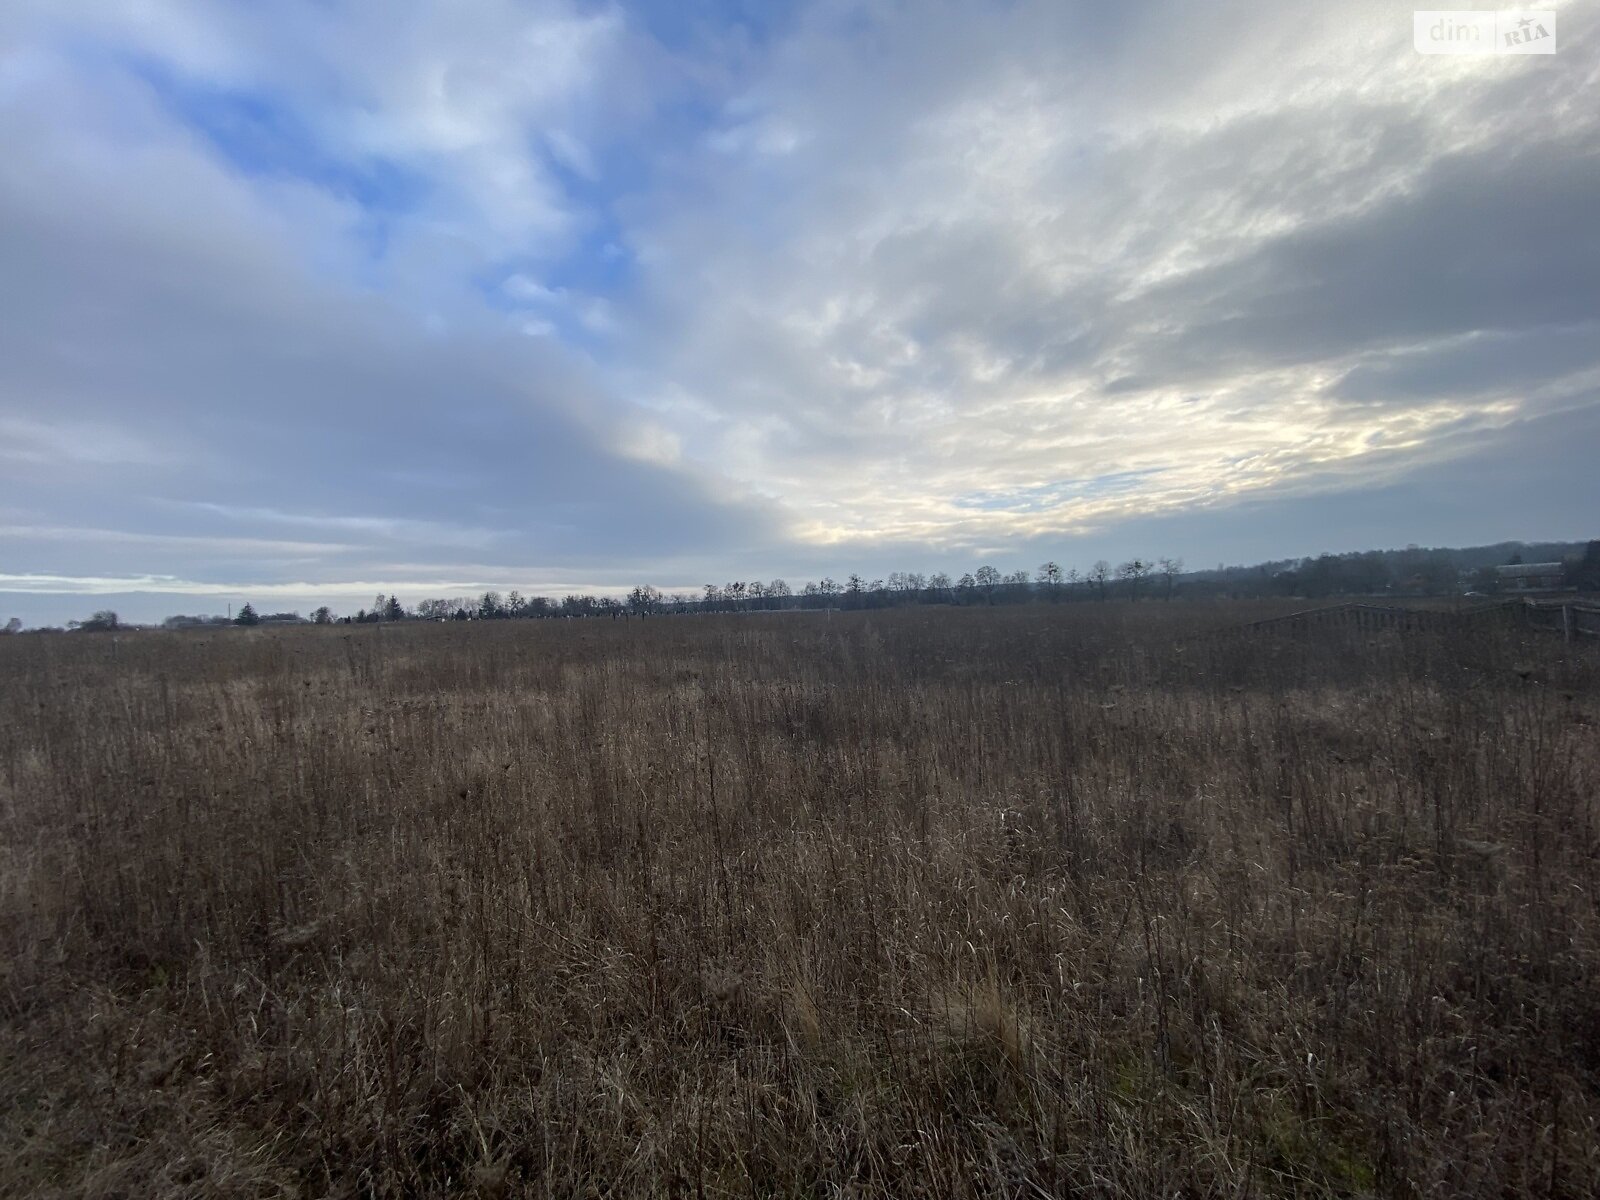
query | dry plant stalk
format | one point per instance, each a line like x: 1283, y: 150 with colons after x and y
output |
x: 1034, y: 901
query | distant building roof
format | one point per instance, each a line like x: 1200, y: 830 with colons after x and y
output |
x: 1530, y: 570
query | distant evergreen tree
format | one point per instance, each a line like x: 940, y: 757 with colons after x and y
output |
x: 1586, y: 573
x: 247, y: 615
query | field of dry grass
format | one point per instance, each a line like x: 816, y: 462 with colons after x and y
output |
x: 1041, y: 901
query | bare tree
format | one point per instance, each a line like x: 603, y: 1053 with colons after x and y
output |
x: 579, y: 605
x: 14, y: 625
x: 1100, y: 576
x: 1171, y: 568
x: 434, y: 610
x: 103, y: 621
x: 1133, y: 573
x: 988, y: 579
x: 1049, y: 574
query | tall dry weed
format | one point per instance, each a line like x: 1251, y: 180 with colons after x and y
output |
x: 1064, y: 900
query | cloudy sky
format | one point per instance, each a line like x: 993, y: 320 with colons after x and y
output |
x: 310, y: 300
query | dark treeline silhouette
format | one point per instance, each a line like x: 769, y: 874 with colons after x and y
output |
x: 1413, y: 571
x: 986, y: 585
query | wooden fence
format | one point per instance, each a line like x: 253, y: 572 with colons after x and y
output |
x: 1572, y: 619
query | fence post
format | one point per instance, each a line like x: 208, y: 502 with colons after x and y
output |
x: 1566, y: 622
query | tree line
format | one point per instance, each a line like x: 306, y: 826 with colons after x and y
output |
x: 1412, y: 571
x: 1134, y: 579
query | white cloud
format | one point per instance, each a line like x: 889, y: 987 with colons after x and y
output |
x: 460, y: 93
x: 363, y: 590
x: 530, y: 291
x: 985, y: 272
x: 46, y: 443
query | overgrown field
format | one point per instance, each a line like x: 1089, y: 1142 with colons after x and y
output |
x: 1042, y: 901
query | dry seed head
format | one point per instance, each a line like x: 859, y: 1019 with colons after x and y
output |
x: 491, y: 1178
x: 981, y: 1015
x: 804, y: 1020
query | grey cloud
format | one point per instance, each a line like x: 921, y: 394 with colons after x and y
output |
x: 1493, y: 240
x: 1300, y: 229
x: 1491, y: 362
x: 182, y: 317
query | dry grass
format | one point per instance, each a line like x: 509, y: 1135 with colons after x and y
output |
x: 1029, y: 902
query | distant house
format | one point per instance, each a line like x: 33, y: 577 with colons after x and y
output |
x: 1532, y: 577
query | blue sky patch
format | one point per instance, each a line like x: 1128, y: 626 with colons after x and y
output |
x: 259, y: 134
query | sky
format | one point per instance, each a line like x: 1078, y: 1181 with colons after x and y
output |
x: 308, y: 301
